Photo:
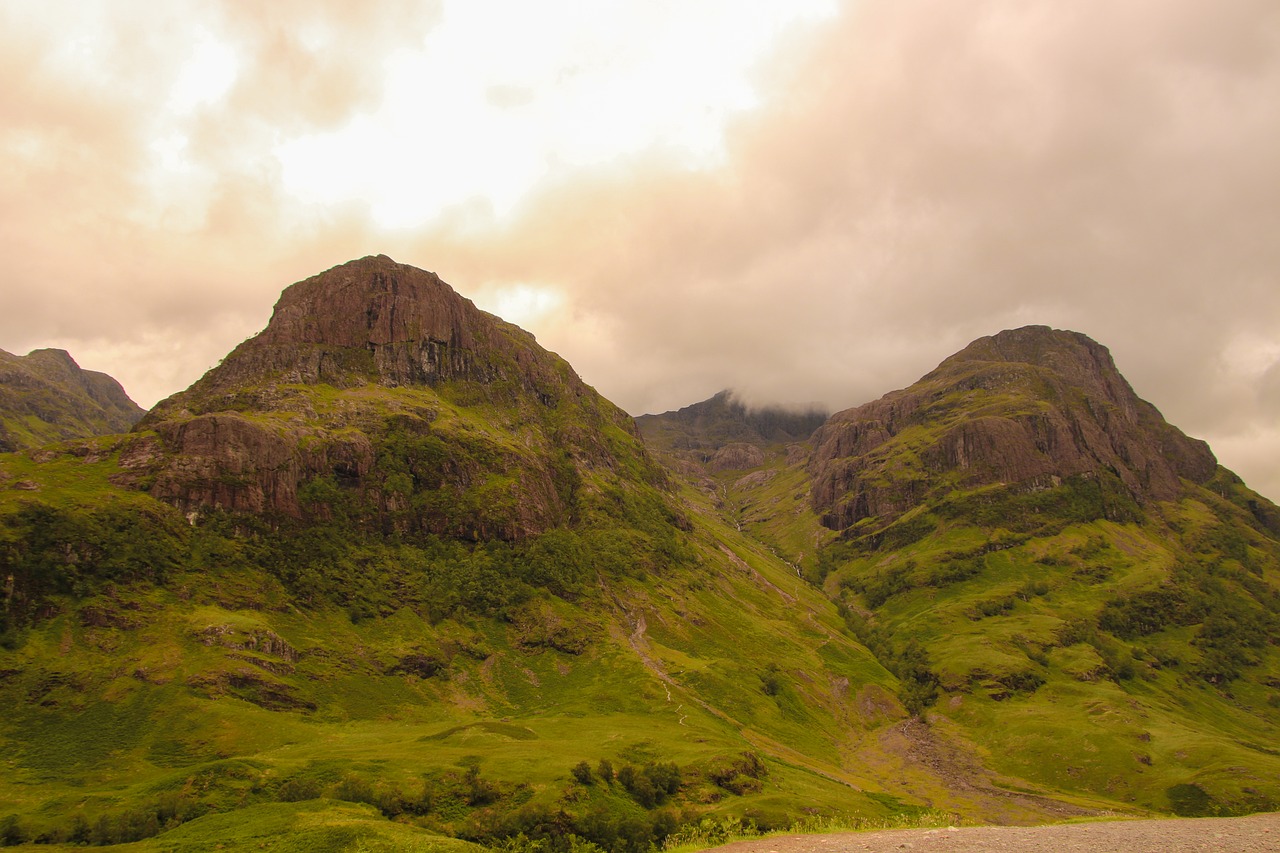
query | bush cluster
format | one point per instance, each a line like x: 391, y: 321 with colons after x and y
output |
x: 649, y: 784
x: 917, y: 682
x: 1236, y: 612
x: 51, y: 551
x: 107, y: 829
x: 742, y: 774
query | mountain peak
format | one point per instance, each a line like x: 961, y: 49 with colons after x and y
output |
x: 372, y: 301
x: 1026, y: 343
x: 50, y: 355
x: 1067, y: 357
x: 1025, y: 408
x: 1073, y: 356
x: 367, y: 379
x: 725, y: 432
x: 372, y: 320
x: 1038, y: 345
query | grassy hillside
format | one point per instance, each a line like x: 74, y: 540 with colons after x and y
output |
x: 1111, y: 632
x: 1136, y: 659
x: 165, y: 674
x: 1132, y: 660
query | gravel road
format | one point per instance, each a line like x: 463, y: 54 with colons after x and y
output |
x: 1252, y: 834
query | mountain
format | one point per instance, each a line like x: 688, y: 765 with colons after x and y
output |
x: 1053, y: 569
x: 725, y: 433
x: 392, y: 559
x: 46, y: 397
x: 1018, y: 534
x: 391, y: 575
x: 375, y: 385
x: 1024, y: 410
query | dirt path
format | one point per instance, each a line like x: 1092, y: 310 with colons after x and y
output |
x: 1254, y: 834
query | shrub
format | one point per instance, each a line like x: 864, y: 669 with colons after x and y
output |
x: 296, y: 790
x: 771, y: 680
x: 643, y: 791
x: 353, y: 789
x: 479, y: 792
x: 1189, y: 800
x: 740, y: 775
x: 651, y: 784
x: 1145, y: 613
x: 12, y: 832
x: 664, y: 775
x: 581, y: 773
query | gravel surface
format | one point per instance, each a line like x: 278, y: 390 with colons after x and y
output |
x: 1243, y: 834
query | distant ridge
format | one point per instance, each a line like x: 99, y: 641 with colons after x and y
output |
x: 725, y: 433
x: 45, y: 397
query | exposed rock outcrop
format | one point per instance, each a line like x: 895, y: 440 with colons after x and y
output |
x: 736, y: 457
x: 229, y: 461
x: 1026, y: 408
x: 261, y: 641
x: 360, y: 390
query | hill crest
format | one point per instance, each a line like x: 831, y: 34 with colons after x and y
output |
x: 373, y: 320
x: 1026, y: 409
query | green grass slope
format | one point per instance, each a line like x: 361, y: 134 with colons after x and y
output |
x: 177, y: 679
x: 1134, y: 659
x: 1070, y: 597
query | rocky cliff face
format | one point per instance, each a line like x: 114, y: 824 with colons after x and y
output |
x: 376, y: 385
x: 45, y: 397
x: 374, y: 321
x: 1026, y: 408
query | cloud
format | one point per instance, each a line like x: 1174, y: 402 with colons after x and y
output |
x: 314, y: 64
x: 932, y: 173
x: 904, y: 177
x: 140, y: 201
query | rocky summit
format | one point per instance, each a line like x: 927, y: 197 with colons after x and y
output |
x: 1023, y: 410
x: 374, y: 321
x: 378, y: 380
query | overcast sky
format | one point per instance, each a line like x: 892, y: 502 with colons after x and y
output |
x: 805, y: 201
